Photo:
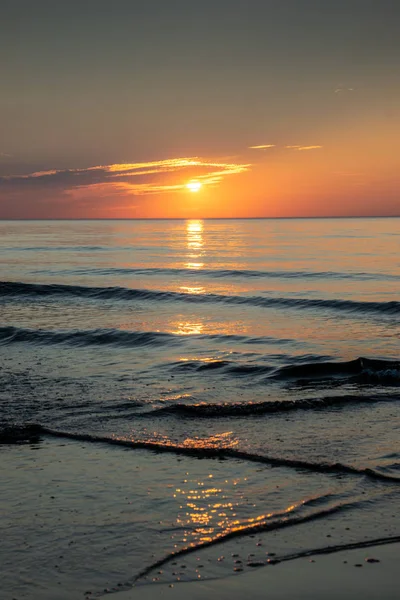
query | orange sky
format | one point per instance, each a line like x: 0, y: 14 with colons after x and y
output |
x: 349, y: 172
x: 283, y: 108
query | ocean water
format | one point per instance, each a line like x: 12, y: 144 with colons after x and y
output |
x: 232, y: 386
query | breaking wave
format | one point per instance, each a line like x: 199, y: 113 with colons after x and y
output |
x: 33, y: 433
x: 223, y: 410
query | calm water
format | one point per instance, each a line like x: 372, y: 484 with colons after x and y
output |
x: 269, y: 345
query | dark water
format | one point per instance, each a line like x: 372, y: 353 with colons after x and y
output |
x: 267, y: 348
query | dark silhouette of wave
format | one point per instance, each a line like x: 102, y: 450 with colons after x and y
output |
x: 248, y: 409
x: 117, y: 337
x: 360, y: 368
x: 36, y: 290
x: 224, y: 366
x: 227, y: 273
x: 33, y: 432
x: 96, y: 337
x: 58, y: 248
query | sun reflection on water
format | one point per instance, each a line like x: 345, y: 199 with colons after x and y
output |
x: 211, y: 506
x: 195, y: 244
x: 187, y: 289
x: 188, y: 328
x: 207, y: 513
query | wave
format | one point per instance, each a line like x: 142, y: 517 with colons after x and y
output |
x: 340, y: 547
x: 223, y: 273
x: 96, y: 337
x: 205, y: 410
x: 34, y: 290
x: 271, y: 523
x: 33, y: 432
x: 55, y: 248
x: 360, y: 369
x: 225, y: 366
x: 278, y: 559
x: 117, y: 337
x: 20, y: 434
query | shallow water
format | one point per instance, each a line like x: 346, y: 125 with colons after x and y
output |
x: 268, y: 348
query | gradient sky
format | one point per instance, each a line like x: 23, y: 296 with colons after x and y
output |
x: 109, y: 109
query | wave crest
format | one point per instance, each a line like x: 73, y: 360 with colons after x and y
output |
x: 32, y: 290
x: 245, y: 409
x: 32, y: 431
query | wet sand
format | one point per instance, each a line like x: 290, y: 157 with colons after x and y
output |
x: 75, y: 527
x: 346, y: 575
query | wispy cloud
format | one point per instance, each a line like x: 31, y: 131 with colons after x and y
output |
x: 125, y: 179
x: 151, y: 177
x: 262, y: 147
x: 292, y: 147
x: 300, y: 148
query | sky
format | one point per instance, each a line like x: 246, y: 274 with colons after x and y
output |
x: 199, y: 108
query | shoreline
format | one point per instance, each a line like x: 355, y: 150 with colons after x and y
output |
x: 75, y: 528
x: 344, y: 574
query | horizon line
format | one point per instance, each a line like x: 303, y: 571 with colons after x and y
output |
x: 396, y: 216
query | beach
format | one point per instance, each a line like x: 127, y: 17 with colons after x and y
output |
x: 327, y: 577
x: 69, y: 533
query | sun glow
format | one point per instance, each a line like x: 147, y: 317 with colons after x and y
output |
x: 194, y: 186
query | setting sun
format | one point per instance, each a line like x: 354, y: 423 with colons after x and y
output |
x: 194, y: 186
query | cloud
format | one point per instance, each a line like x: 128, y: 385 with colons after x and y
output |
x: 152, y: 177
x: 293, y: 147
x: 342, y: 90
x: 262, y: 147
x: 300, y: 148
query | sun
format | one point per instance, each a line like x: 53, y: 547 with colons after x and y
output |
x: 194, y: 186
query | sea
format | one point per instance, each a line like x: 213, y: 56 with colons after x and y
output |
x: 194, y: 399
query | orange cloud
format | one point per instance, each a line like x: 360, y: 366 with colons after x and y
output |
x: 298, y: 147
x: 262, y: 147
x: 154, y: 177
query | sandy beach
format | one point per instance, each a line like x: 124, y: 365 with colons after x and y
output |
x: 321, y: 578
x: 328, y: 578
x: 78, y: 538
